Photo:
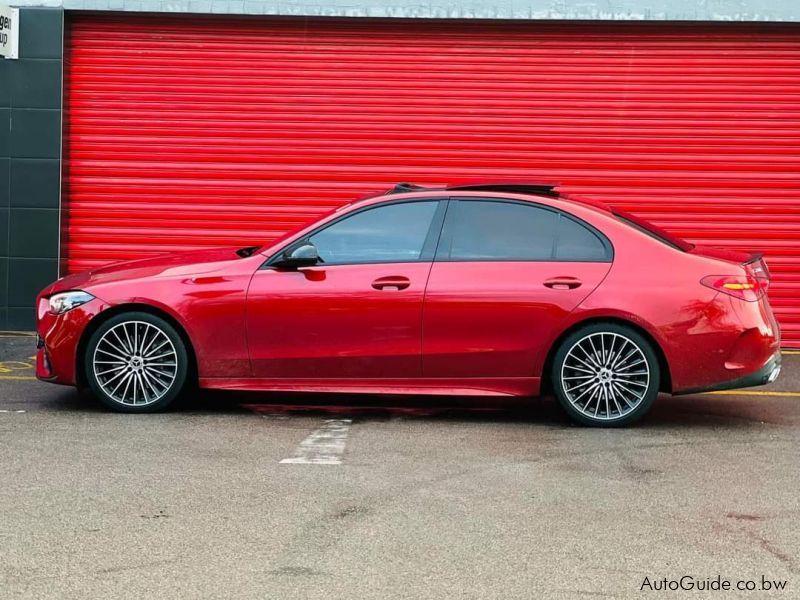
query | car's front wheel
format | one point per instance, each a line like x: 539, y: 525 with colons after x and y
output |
x: 605, y: 375
x: 136, y: 362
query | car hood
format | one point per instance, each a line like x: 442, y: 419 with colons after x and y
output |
x: 165, y: 265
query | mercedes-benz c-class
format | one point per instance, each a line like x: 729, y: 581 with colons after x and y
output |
x: 465, y: 290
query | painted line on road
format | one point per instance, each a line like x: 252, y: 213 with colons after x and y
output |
x: 8, y: 366
x: 325, y: 446
x: 790, y: 351
x: 3, y: 410
x: 18, y: 377
x: 752, y: 393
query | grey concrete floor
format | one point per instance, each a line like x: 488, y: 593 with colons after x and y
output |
x: 435, y: 498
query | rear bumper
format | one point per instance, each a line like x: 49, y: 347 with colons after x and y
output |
x: 766, y: 374
x: 728, y: 348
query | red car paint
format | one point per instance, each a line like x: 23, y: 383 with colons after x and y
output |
x: 450, y: 328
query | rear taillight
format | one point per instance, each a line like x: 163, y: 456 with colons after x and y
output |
x: 746, y: 287
x: 758, y: 267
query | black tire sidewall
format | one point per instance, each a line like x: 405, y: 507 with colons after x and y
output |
x: 652, y: 364
x: 180, y: 348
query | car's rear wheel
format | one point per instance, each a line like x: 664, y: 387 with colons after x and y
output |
x: 136, y: 362
x: 605, y: 375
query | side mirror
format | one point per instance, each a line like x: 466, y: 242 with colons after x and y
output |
x: 305, y: 255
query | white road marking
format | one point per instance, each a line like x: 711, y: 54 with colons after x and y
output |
x: 3, y: 410
x: 276, y: 417
x: 325, y: 446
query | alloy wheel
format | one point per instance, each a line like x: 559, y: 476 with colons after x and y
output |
x: 135, y: 363
x: 605, y: 376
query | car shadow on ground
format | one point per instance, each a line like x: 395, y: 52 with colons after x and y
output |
x: 668, y: 411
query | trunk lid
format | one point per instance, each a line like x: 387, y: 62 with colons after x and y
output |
x: 740, y: 257
x: 753, y: 262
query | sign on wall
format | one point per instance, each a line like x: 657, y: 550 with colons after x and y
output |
x: 9, y: 31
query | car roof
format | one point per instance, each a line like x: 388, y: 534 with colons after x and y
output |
x: 539, y: 189
x: 543, y: 193
x: 552, y: 199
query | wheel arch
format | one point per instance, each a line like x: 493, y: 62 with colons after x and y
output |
x: 663, y: 365
x: 97, y: 321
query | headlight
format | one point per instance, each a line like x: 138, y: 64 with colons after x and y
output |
x: 61, y: 303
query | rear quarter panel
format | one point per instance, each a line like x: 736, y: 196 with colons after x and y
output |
x: 658, y: 288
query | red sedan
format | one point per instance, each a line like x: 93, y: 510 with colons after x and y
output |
x: 481, y: 290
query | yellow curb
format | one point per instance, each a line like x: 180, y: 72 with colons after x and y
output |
x: 790, y: 352
x: 18, y: 377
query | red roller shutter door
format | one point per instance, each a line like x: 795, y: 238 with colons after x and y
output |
x: 188, y: 132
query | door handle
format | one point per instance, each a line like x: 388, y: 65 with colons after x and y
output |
x: 563, y: 283
x: 391, y: 283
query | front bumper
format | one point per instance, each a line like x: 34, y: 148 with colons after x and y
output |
x: 58, y: 341
x: 766, y: 374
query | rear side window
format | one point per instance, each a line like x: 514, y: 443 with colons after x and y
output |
x: 576, y: 242
x: 501, y: 231
x: 515, y: 231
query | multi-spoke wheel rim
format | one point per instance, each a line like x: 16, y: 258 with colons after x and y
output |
x: 605, y: 376
x: 135, y: 363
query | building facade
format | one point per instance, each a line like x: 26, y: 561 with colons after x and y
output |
x: 134, y: 127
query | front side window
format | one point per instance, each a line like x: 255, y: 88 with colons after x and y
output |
x: 514, y: 231
x: 390, y: 233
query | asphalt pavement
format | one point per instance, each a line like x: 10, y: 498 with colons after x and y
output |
x: 276, y: 496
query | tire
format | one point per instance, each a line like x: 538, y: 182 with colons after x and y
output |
x: 136, y: 362
x: 605, y: 363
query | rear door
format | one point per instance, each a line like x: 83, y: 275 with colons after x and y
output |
x: 506, y: 274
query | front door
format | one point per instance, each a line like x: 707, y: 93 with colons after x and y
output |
x: 505, y: 275
x: 358, y: 312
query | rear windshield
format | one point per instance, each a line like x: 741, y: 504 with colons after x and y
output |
x: 653, y: 231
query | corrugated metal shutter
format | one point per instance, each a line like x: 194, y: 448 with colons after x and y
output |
x: 185, y: 132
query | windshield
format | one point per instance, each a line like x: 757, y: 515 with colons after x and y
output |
x: 653, y: 231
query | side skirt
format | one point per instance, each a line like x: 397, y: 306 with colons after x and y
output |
x: 477, y: 386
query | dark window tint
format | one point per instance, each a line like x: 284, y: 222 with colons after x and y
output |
x: 577, y: 242
x: 392, y: 233
x: 502, y: 231
x: 654, y: 231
